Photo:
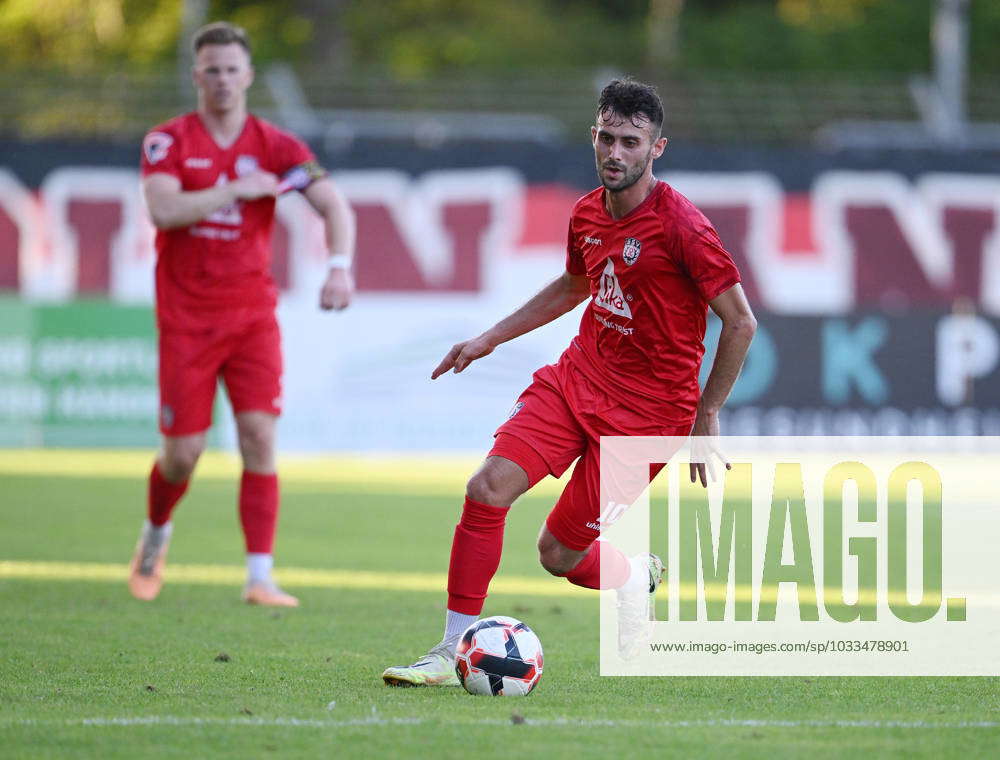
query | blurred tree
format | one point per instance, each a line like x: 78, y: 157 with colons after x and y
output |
x: 984, y: 31
x: 415, y: 39
x: 94, y: 35
x: 816, y: 35
x: 279, y: 30
x: 330, y: 45
x: 823, y: 14
x: 420, y: 38
x: 662, y: 32
x: 82, y: 35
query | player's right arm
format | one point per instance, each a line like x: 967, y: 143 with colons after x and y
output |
x: 561, y: 295
x: 170, y: 206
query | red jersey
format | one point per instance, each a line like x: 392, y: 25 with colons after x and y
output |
x: 218, y: 270
x: 651, y: 274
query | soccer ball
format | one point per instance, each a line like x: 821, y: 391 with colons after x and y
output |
x: 499, y: 656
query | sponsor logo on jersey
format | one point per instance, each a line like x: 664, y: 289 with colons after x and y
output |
x: 517, y: 407
x: 592, y: 241
x: 610, y: 295
x: 214, y: 233
x: 246, y: 165
x: 630, y: 253
x: 156, y: 145
x: 198, y: 163
x: 229, y: 214
x: 612, y: 326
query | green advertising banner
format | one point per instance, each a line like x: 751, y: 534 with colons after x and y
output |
x: 77, y: 374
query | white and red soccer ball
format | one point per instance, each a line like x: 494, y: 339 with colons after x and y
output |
x: 499, y: 656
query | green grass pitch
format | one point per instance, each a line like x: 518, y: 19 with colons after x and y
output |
x: 87, y: 672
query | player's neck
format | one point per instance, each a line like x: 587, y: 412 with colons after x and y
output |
x: 620, y: 203
x: 224, y: 126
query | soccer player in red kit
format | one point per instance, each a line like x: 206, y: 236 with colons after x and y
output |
x: 210, y: 179
x: 651, y: 265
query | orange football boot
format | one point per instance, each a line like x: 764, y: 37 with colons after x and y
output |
x: 145, y: 571
x: 268, y: 595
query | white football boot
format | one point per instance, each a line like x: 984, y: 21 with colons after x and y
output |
x: 635, y: 611
x: 436, y: 668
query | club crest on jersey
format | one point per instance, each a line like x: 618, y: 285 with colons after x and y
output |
x: 246, y: 165
x: 156, y: 145
x: 630, y: 253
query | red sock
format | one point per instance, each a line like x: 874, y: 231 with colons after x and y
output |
x: 602, y: 567
x: 162, y: 496
x: 259, y: 510
x: 475, y: 555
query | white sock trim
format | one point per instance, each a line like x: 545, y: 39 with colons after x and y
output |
x: 638, y: 577
x: 455, y: 624
x: 259, y: 568
x: 155, y: 535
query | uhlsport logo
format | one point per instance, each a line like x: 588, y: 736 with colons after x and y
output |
x: 630, y: 253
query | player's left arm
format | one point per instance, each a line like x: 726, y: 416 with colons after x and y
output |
x: 340, y: 227
x: 738, y: 328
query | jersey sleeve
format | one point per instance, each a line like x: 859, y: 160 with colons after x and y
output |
x: 294, y: 162
x: 291, y: 152
x: 574, y: 259
x: 706, y: 261
x: 160, y: 154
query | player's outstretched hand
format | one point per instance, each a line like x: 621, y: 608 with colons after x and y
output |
x: 258, y: 184
x: 462, y: 355
x: 704, y: 446
x: 337, y: 290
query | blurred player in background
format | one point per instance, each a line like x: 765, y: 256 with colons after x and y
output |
x: 210, y: 180
x: 651, y: 264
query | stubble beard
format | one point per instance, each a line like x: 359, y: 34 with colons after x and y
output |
x: 629, y: 177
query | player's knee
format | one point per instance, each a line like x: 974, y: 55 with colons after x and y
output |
x: 554, y: 557
x: 256, y: 442
x: 486, y: 488
x: 554, y: 561
x: 178, y: 461
x: 478, y: 489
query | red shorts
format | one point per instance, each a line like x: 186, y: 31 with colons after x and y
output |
x: 559, y: 417
x: 247, y: 358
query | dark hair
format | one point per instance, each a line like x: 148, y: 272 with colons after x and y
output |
x: 221, y: 33
x: 629, y: 98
